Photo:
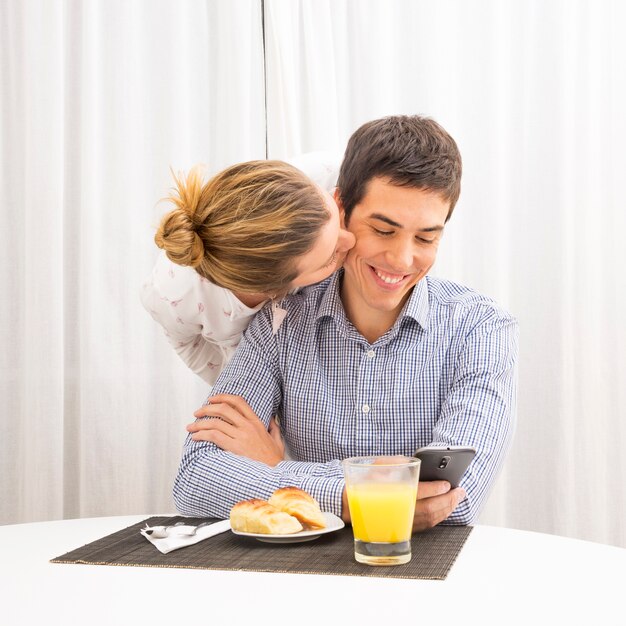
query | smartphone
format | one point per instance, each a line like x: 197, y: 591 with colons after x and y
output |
x: 445, y: 463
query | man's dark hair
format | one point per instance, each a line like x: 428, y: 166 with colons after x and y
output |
x: 408, y: 151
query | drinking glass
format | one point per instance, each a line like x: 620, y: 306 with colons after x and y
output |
x: 382, y: 491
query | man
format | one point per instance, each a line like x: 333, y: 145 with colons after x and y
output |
x: 380, y: 359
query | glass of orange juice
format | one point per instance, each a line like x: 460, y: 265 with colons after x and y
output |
x: 382, y: 491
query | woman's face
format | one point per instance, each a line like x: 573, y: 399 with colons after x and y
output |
x: 328, y: 252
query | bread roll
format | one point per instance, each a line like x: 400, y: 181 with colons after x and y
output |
x: 301, y: 505
x: 257, y: 516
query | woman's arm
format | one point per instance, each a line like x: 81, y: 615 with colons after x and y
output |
x: 204, y: 323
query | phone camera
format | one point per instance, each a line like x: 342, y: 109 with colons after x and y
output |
x: 444, y: 462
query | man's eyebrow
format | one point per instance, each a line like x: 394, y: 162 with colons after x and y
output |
x: 384, y: 218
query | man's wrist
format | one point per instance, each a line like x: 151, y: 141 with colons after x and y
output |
x: 326, y: 489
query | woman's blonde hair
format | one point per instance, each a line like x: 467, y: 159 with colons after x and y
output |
x: 245, y: 227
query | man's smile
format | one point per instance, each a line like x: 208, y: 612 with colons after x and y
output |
x: 387, y: 280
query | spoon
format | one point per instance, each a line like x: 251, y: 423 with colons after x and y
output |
x: 161, y: 532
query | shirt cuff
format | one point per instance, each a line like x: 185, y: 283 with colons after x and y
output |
x: 324, y: 482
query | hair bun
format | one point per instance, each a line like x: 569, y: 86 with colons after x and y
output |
x: 178, y: 237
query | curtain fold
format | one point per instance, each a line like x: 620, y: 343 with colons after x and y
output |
x: 99, y: 100
x: 533, y: 92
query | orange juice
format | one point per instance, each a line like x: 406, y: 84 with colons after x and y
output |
x: 382, y: 512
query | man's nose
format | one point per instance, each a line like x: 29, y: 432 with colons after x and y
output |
x: 400, y: 256
x: 346, y: 240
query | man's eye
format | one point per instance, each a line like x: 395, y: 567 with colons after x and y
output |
x: 383, y: 233
x: 422, y: 240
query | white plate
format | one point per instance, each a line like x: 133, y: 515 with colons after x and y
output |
x: 333, y: 523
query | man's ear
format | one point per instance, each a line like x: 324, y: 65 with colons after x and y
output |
x: 342, y: 213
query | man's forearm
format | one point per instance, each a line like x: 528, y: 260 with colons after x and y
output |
x: 210, y: 481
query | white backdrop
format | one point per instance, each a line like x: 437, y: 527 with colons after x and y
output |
x: 100, y: 98
x: 534, y: 93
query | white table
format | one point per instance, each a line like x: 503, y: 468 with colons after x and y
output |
x: 502, y: 577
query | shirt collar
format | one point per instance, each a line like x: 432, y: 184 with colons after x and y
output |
x: 331, y: 305
x: 416, y: 307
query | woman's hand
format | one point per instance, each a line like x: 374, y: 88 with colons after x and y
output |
x: 238, y: 430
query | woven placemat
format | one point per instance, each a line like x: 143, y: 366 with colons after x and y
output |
x: 434, y: 552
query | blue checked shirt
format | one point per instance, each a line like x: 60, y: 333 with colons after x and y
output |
x: 443, y: 375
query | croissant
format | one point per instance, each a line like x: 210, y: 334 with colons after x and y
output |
x: 299, y: 504
x: 257, y: 516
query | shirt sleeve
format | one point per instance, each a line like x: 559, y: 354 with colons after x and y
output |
x: 480, y: 410
x: 201, y: 356
x: 210, y: 480
x: 204, y: 358
x: 201, y: 321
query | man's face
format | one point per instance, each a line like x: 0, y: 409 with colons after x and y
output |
x: 397, y: 232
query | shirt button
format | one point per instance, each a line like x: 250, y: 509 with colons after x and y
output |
x: 365, y: 408
x: 370, y: 354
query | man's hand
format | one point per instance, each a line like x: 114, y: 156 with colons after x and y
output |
x: 238, y: 430
x: 435, y: 502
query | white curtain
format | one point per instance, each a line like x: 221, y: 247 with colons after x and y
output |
x: 100, y: 98
x: 535, y: 94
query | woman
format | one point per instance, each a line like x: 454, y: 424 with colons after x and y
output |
x: 251, y: 234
